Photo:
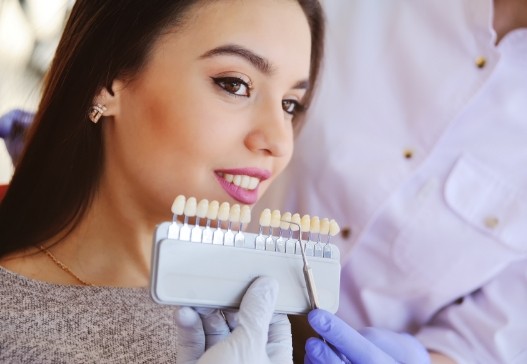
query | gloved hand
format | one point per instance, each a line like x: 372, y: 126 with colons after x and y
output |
x: 251, y: 335
x: 369, y: 346
x: 13, y: 126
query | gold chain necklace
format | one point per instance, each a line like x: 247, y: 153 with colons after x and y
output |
x: 64, y: 267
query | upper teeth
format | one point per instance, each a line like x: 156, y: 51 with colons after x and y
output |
x: 243, y: 181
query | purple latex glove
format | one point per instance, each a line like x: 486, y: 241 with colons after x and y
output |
x: 13, y: 126
x: 369, y: 346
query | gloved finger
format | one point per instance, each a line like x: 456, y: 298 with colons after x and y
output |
x: 346, y: 340
x: 247, y: 343
x: 190, y: 335
x: 214, y: 326
x: 257, y: 306
x: 318, y: 352
x: 307, y: 360
x: 400, y: 346
x: 280, y: 342
x: 15, y: 116
x: 279, y: 328
x: 232, y: 318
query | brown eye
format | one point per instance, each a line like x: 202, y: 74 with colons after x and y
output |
x: 291, y: 106
x: 233, y: 85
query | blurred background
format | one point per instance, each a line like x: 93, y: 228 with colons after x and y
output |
x: 29, y: 33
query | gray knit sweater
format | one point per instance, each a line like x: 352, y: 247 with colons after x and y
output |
x: 49, y: 323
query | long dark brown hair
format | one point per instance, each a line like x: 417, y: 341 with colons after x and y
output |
x: 58, y: 175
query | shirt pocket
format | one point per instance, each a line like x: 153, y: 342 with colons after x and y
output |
x: 462, y: 232
x: 484, y: 199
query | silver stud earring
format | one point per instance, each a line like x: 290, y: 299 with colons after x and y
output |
x: 95, y: 112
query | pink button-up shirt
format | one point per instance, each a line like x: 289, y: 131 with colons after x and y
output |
x: 417, y: 144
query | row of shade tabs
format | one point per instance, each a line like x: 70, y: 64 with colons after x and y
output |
x: 223, y: 223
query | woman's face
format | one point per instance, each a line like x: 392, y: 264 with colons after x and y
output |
x: 211, y: 114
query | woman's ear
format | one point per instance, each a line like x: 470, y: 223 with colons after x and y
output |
x: 110, y: 99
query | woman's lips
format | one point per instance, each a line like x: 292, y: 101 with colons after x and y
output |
x: 242, y: 183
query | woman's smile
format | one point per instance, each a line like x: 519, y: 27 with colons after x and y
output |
x: 242, y: 183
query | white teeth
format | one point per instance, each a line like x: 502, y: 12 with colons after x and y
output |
x: 265, y: 217
x: 179, y: 205
x: 245, y: 217
x: 275, y: 218
x: 253, y: 183
x: 243, y: 181
x: 334, y: 228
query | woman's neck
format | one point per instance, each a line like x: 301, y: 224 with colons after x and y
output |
x: 112, y: 245
x: 508, y: 16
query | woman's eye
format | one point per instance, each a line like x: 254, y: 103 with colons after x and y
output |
x: 233, y: 85
x: 291, y: 107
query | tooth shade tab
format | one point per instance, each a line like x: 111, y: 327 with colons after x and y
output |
x: 285, y: 223
x: 324, y: 226
x: 234, y: 215
x: 334, y: 228
x: 245, y: 215
x: 190, y: 207
x: 203, y: 207
x: 212, y: 212
x: 296, y: 222
x: 275, y: 218
x: 223, y: 212
x: 179, y: 205
x: 305, y: 223
x: 315, y: 225
x: 265, y: 218
x: 241, y: 214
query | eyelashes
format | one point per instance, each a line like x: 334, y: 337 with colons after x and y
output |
x: 237, y: 87
x: 292, y: 107
x: 233, y: 85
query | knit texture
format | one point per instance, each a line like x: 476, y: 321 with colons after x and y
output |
x: 49, y: 323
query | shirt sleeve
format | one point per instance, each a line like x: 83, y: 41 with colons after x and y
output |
x: 486, y: 326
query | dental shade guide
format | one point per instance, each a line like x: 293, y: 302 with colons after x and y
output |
x: 177, y: 210
x: 245, y: 218
x: 265, y: 221
x: 203, y: 265
x: 212, y: 215
x: 189, y: 211
x: 223, y: 215
x: 201, y: 212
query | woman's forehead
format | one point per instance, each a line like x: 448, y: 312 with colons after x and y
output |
x: 271, y: 28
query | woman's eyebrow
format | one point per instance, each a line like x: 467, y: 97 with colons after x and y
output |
x: 302, y: 85
x: 262, y: 64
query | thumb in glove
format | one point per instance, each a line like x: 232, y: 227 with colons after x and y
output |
x: 249, y: 342
x: 370, y: 346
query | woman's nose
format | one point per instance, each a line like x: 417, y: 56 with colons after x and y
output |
x: 272, y: 131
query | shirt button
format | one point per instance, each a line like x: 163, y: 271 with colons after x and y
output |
x: 491, y: 222
x: 345, y: 232
x: 481, y: 62
x: 408, y: 153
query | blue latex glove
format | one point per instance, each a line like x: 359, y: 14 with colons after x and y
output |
x: 369, y: 346
x: 13, y: 126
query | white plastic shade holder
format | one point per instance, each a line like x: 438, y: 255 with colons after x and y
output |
x: 203, y: 258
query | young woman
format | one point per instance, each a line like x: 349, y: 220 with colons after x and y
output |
x: 145, y: 100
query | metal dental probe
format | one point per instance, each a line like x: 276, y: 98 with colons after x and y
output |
x: 308, y: 272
